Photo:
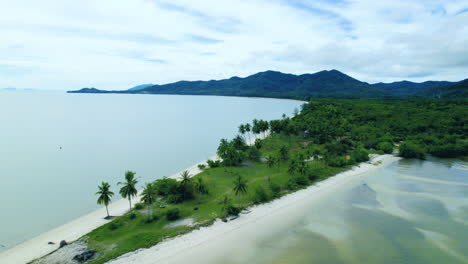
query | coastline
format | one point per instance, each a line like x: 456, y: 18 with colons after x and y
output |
x: 180, y: 249
x: 38, y: 246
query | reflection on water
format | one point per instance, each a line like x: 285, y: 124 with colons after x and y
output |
x: 410, y: 212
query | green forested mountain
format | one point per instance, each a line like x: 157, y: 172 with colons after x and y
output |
x: 276, y: 84
x: 457, y: 90
x: 406, y: 88
x: 324, y: 84
x: 140, y: 87
x: 332, y: 84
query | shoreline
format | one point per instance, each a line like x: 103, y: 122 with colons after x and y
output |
x: 178, y: 249
x: 38, y: 247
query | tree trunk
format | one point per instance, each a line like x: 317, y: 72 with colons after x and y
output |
x: 107, y: 212
x: 130, y: 202
x: 238, y: 200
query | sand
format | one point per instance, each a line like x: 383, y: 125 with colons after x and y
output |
x: 208, y: 244
x: 38, y: 246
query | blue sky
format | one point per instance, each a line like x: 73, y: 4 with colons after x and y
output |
x: 117, y: 44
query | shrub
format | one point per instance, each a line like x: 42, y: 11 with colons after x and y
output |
x: 201, y: 166
x: 386, y: 147
x: 114, y: 225
x: 316, y: 170
x: 173, y: 214
x: 292, y: 184
x: 132, y: 215
x: 233, y: 210
x: 213, y: 163
x: 302, y: 180
x: 152, y: 218
x: 359, y: 155
x: 410, y: 150
x: 284, y: 153
x: 253, y: 154
x: 139, y: 206
x: 258, y: 143
x: 166, y: 186
x: 275, y: 189
x: 260, y: 195
x: 337, y: 162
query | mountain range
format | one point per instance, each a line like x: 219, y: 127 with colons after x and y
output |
x: 323, y: 84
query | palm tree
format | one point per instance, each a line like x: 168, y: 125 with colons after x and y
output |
x: 201, y: 187
x: 270, y: 163
x: 247, y: 128
x: 225, y: 204
x: 105, y: 195
x: 148, y: 196
x: 240, y: 187
x: 242, y: 130
x: 128, y: 189
x: 185, y: 181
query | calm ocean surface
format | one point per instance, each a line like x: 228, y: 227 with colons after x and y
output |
x: 55, y: 148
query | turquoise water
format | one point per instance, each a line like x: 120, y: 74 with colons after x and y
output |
x: 412, y: 212
x: 55, y: 148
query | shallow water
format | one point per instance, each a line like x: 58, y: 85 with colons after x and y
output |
x: 410, y: 212
x: 55, y: 148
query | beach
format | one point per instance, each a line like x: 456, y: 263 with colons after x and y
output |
x: 166, y: 251
x: 39, y: 246
x: 207, y: 244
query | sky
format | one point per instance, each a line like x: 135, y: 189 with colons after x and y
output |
x: 117, y: 44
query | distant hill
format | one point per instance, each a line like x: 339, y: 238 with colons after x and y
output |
x: 456, y: 90
x: 140, y: 87
x: 326, y: 84
x: 89, y: 90
x: 406, y: 88
x: 332, y: 84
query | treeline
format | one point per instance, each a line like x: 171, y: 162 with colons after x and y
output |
x: 419, y: 127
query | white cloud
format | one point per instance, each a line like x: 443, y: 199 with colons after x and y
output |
x: 115, y: 44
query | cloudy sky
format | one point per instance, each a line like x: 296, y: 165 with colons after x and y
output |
x: 116, y: 44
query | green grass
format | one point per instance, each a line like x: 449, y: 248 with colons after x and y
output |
x: 132, y: 234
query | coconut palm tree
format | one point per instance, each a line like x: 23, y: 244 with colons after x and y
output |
x: 148, y: 196
x: 185, y: 182
x: 240, y: 187
x: 271, y: 160
x: 105, y: 195
x: 201, y: 187
x: 247, y: 129
x: 242, y: 130
x: 128, y: 189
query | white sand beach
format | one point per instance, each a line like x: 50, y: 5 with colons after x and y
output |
x: 38, y: 246
x: 163, y: 252
x: 208, y: 244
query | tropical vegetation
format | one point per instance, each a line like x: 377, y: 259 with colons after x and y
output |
x: 324, y: 138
